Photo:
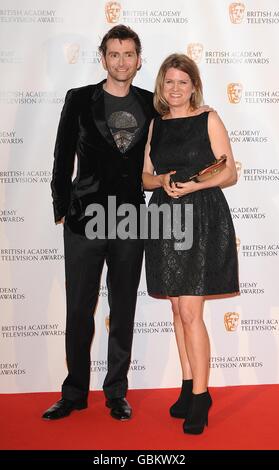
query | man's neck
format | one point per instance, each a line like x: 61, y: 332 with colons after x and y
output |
x: 117, y: 88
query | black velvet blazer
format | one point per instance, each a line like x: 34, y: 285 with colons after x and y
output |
x: 102, y: 169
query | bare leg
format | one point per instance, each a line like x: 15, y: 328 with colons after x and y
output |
x: 180, y: 340
x: 196, y: 340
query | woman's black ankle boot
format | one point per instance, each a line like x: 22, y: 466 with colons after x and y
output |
x: 181, y: 407
x: 198, y: 414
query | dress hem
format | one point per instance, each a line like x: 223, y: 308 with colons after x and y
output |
x: 161, y: 294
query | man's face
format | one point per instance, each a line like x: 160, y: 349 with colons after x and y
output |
x: 121, y: 60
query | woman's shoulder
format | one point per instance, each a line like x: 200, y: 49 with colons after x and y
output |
x: 214, y: 118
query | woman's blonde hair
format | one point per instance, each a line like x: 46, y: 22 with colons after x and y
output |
x: 185, y: 64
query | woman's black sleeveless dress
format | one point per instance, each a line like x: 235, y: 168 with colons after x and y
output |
x: 210, y: 266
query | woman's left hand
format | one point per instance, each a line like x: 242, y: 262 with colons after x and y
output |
x: 181, y: 189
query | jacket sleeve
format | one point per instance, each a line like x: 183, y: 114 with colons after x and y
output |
x: 64, y: 157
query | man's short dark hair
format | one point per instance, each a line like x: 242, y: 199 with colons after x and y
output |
x: 122, y: 33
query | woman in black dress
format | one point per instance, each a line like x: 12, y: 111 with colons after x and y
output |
x: 180, y: 143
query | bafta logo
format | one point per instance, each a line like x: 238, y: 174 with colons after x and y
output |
x: 194, y: 51
x: 231, y: 321
x: 238, y: 166
x: 234, y: 91
x: 71, y: 52
x: 107, y: 323
x: 236, y: 12
x: 237, y: 241
x: 112, y: 10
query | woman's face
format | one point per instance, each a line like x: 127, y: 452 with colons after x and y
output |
x: 177, y: 88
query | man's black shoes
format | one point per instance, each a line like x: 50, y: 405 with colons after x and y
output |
x: 119, y: 408
x: 63, y: 408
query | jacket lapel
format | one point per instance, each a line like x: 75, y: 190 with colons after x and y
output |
x: 98, y: 113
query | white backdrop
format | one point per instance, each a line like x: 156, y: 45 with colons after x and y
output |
x: 49, y: 46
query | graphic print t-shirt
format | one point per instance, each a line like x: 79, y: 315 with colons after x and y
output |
x: 125, y: 119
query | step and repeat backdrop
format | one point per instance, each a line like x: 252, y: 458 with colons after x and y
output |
x: 49, y: 46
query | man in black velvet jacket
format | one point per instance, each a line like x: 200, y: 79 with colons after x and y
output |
x: 106, y: 126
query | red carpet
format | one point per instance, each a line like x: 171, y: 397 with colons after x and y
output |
x: 240, y: 418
